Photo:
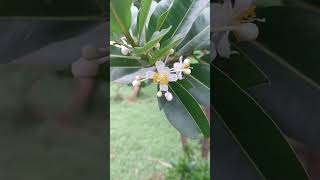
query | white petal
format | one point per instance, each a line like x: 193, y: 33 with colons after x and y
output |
x: 160, y: 66
x: 221, y: 14
x: 164, y: 88
x: 177, y: 66
x: 223, y: 45
x: 179, y: 74
x: 213, y: 51
x: 180, y: 59
x: 149, y: 74
x: 173, y: 77
x: 247, y: 32
x: 241, y: 6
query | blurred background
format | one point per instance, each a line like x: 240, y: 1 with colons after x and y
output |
x: 52, y: 125
x: 143, y: 144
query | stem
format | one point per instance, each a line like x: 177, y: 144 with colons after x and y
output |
x: 130, y: 39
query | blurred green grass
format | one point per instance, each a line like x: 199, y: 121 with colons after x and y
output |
x: 140, y: 132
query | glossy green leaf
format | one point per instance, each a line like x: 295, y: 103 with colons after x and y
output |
x: 143, y: 14
x: 241, y: 69
x: 184, y: 112
x: 124, y: 61
x: 259, y: 137
x: 200, y: 80
x: 161, y: 9
x: 161, y: 19
x: 182, y: 15
x: 185, y: 83
x: 291, y: 35
x: 198, y: 36
x: 201, y: 72
x: 134, y: 19
x: 290, y: 100
x: 120, y: 16
x: 165, y: 49
x: 156, y: 37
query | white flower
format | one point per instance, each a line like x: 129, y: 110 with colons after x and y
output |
x: 171, y: 51
x: 180, y: 67
x: 124, y: 50
x: 157, y: 46
x: 168, y: 96
x: 237, y: 19
x: 162, y: 77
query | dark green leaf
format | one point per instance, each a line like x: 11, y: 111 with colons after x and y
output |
x: 160, y: 10
x: 198, y: 36
x: 143, y: 14
x: 124, y: 61
x: 291, y: 36
x: 242, y: 69
x: 255, y: 131
x: 201, y: 72
x: 182, y: 15
x: 200, y: 80
x: 185, y: 113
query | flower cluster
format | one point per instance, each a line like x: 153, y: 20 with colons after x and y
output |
x: 163, y: 75
x: 238, y: 19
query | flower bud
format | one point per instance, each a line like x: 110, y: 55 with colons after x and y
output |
x: 168, y: 96
x: 186, y: 61
x: 124, y: 50
x: 171, y: 51
x: 247, y: 32
x: 157, y: 45
x: 187, y: 71
x: 136, y: 83
x: 159, y: 93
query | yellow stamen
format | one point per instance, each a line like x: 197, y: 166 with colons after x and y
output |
x: 162, y: 79
x: 186, y: 66
x: 248, y: 14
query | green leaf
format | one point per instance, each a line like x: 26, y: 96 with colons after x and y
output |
x: 184, y: 112
x: 166, y: 49
x: 261, y: 140
x: 198, y: 36
x: 134, y: 19
x: 120, y: 16
x: 161, y: 19
x: 241, y: 69
x: 124, y: 61
x: 182, y: 15
x: 40, y: 8
x: 185, y: 83
x: 161, y: 9
x: 291, y: 36
x: 156, y: 37
x: 201, y: 72
x: 200, y: 80
x: 143, y: 14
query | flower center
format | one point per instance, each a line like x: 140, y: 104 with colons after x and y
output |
x: 246, y: 15
x: 186, y: 66
x: 162, y: 79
